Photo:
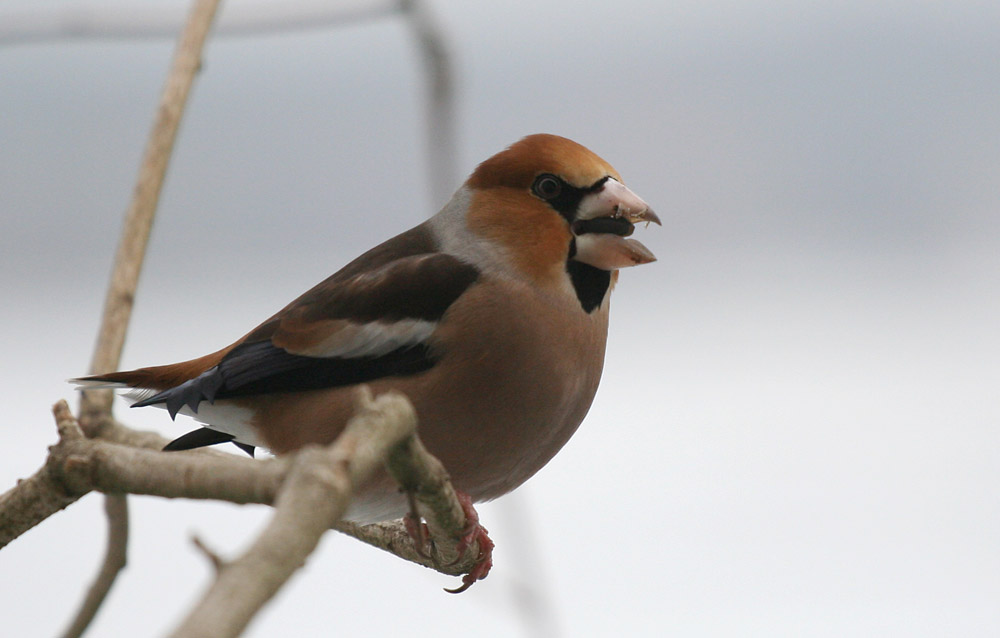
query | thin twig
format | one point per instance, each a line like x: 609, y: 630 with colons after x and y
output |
x: 116, y: 508
x: 102, y: 20
x: 142, y: 209
x: 95, y: 407
x: 440, y: 107
x: 212, y: 556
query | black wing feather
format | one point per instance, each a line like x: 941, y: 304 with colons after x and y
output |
x: 197, y: 438
x: 262, y: 368
x: 202, y: 437
x: 417, y: 286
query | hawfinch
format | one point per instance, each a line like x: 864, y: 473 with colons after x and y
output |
x: 491, y: 316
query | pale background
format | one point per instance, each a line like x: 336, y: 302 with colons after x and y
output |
x: 798, y: 432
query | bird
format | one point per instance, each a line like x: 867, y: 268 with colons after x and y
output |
x: 491, y: 317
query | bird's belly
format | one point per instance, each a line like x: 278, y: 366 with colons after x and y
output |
x: 509, y: 415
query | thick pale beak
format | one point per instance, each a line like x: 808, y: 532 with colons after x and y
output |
x: 603, y: 223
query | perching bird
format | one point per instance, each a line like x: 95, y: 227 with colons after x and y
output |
x: 491, y: 316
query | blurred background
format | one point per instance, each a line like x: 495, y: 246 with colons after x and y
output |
x: 798, y: 431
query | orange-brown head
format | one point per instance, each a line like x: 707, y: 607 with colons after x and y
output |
x: 547, y: 200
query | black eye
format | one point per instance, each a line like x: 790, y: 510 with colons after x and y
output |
x: 547, y: 186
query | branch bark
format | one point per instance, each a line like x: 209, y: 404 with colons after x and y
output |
x: 134, y: 464
x: 419, y: 472
x: 313, y: 497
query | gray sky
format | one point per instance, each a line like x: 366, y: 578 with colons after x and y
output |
x: 798, y: 428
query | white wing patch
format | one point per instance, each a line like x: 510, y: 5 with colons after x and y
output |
x: 371, y: 339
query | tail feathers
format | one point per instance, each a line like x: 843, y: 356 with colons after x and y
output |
x: 190, y: 393
x: 140, y: 388
x: 141, y: 378
x: 130, y: 393
x: 173, y: 385
x: 96, y: 383
x: 154, y: 379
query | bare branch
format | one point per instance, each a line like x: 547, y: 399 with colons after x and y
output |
x: 130, y: 20
x: 418, y: 471
x: 391, y: 536
x: 133, y: 464
x: 212, y: 556
x: 95, y: 407
x: 116, y: 508
x: 384, y: 429
x: 141, y: 211
x: 316, y: 494
x: 34, y: 499
x: 30, y: 502
x: 440, y: 106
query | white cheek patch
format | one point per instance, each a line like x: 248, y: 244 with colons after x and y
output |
x: 611, y: 252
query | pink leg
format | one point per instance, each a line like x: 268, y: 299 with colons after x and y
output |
x: 416, y: 529
x: 473, y: 532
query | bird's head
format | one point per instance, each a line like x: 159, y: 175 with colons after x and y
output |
x: 547, y: 200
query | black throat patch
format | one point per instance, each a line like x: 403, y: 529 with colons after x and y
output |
x: 590, y: 284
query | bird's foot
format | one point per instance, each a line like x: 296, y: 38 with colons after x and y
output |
x: 473, y: 533
x: 416, y: 528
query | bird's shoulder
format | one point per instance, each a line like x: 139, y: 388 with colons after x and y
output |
x: 404, y: 285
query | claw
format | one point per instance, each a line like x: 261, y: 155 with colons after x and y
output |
x: 473, y: 532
